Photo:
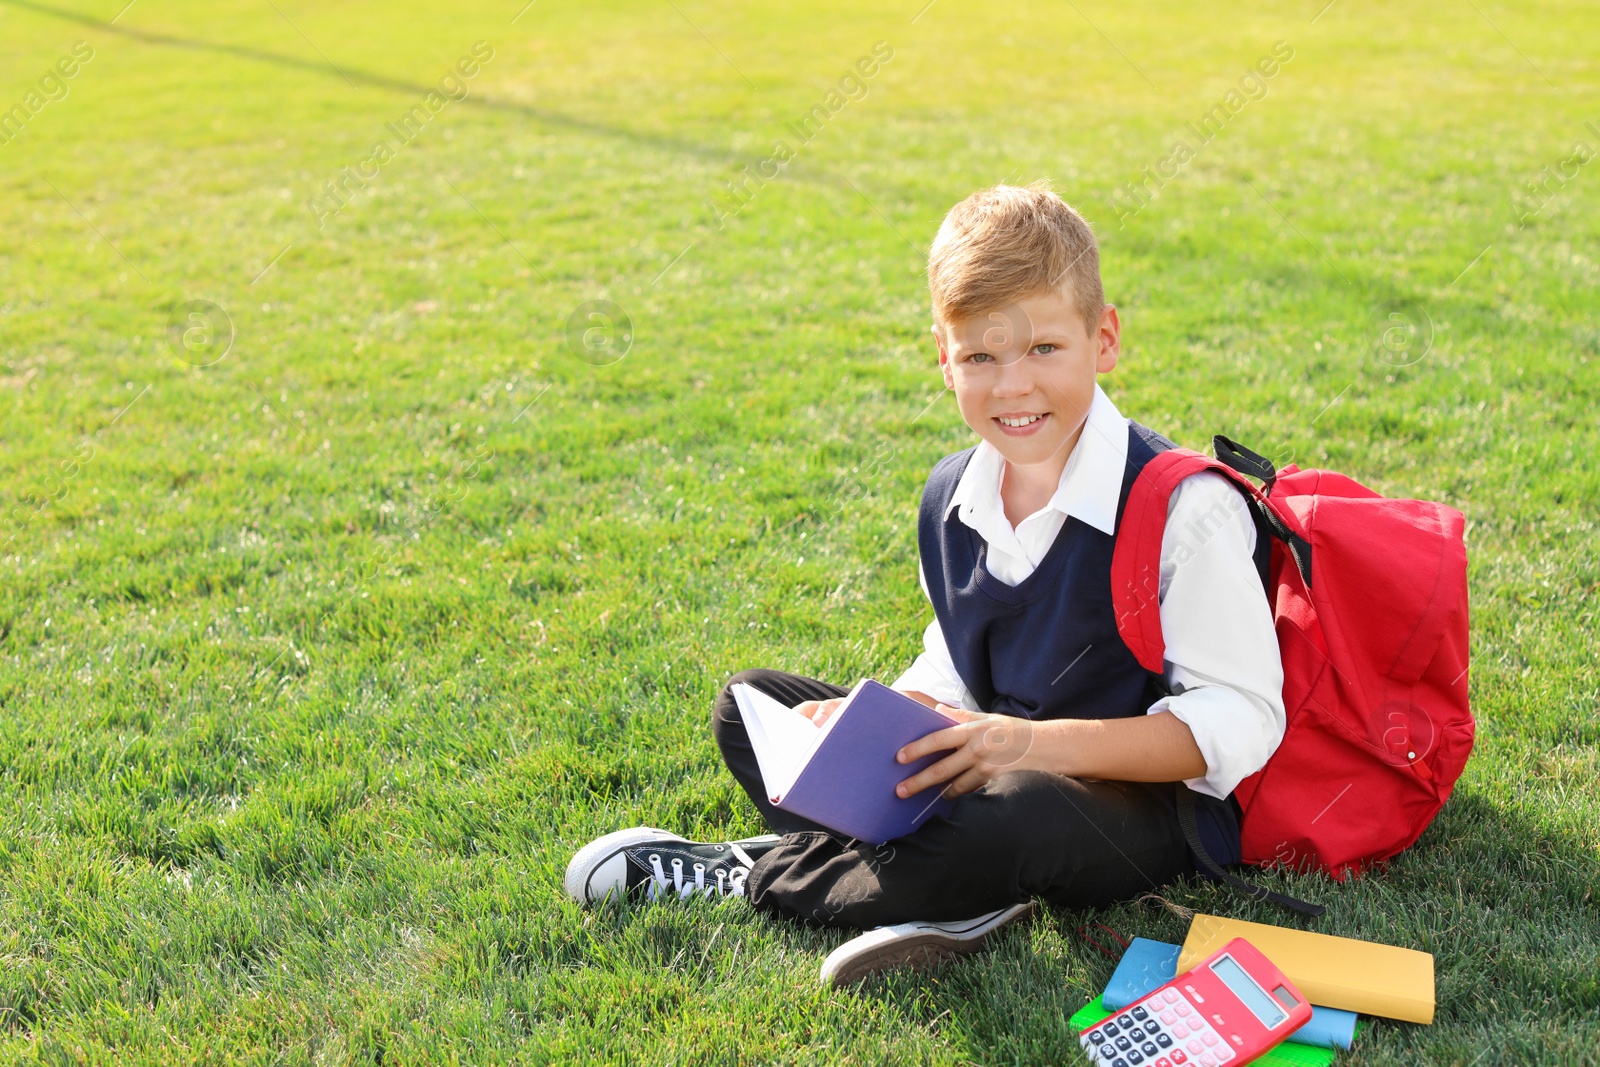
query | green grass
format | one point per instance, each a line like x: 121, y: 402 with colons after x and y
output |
x: 317, y: 662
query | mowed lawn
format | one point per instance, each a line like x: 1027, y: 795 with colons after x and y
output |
x: 334, y: 619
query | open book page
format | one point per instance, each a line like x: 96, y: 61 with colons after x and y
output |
x: 782, y: 738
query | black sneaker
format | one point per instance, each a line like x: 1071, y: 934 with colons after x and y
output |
x: 646, y: 863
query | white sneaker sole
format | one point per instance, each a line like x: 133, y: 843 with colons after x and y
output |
x: 582, y: 868
x: 915, y: 945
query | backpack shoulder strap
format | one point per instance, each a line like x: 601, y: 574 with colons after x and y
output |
x: 1188, y: 820
x: 1136, y: 584
x: 1136, y: 559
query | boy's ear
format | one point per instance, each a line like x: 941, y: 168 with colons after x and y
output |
x: 1107, y: 340
x: 944, y: 357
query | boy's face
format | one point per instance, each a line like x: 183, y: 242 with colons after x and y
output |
x: 1024, y: 377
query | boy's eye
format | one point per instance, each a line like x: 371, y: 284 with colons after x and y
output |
x: 979, y: 357
x: 1043, y: 350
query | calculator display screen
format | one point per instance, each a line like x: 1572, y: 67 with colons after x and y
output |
x: 1245, y: 988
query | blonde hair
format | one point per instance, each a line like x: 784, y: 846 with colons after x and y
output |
x: 1004, y: 244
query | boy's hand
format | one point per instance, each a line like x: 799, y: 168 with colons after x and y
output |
x: 985, y: 746
x: 819, y: 711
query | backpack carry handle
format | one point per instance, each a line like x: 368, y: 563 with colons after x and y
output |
x: 1253, y: 464
x: 1243, y: 460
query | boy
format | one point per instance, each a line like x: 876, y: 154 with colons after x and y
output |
x: 1067, y: 758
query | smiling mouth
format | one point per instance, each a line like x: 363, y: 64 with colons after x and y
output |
x: 1020, y: 420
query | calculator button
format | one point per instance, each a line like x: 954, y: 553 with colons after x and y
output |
x: 1135, y: 1058
x: 1180, y: 1031
x: 1209, y: 1038
x: 1163, y: 1062
x: 1097, y: 1037
x: 1149, y: 1049
x: 1208, y: 1060
x: 1124, y: 1021
x: 1119, y: 1062
x: 1137, y: 1033
x: 1223, y: 1053
x: 1178, y: 1058
x: 1169, y: 1017
x: 1170, y: 996
x: 1111, y: 1029
x: 1139, y: 1013
x: 1182, y: 1007
x: 1163, y: 1040
x: 1195, y: 1048
x: 1123, y: 1043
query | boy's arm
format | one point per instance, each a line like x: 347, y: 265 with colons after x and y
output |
x: 1222, y: 663
x: 933, y: 679
x: 1147, y: 748
x: 1151, y: 748
x: 1222, y: 659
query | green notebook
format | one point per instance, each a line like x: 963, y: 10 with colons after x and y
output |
x: 1287, y: 1054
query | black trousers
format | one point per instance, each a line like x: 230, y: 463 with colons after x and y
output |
x: 1024, y: 834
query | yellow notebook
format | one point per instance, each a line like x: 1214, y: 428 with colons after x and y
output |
x: 1333, y: 972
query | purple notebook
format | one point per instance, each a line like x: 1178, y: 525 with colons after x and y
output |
x: 843, y: 773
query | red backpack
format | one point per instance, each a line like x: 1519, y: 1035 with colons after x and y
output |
x: 1369, y: 599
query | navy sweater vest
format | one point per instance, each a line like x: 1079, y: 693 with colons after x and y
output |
x: 1048, y: 647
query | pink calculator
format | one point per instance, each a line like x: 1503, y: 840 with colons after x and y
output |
x: 1228, y: 1009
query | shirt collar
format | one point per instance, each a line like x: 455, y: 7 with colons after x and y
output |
x: 1091, y: 482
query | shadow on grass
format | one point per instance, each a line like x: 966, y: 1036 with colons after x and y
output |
x: 1502, y: 856
x: 359, y: 77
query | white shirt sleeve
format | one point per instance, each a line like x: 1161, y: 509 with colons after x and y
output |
x: 934, y: 671
x: 1222, y: 661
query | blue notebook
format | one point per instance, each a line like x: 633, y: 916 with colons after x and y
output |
x: 842, y: 774
x: 1148, y: 965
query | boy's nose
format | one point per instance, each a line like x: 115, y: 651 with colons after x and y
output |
x: 1013, y: 377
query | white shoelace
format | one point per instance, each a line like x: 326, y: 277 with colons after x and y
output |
x: 727, y: 885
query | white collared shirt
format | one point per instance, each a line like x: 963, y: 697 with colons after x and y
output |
x: 1221, y: 660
